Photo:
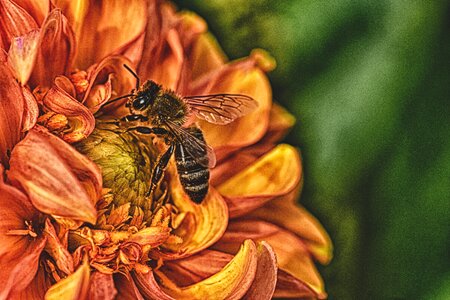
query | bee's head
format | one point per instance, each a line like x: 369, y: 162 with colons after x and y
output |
x: 144, y: 98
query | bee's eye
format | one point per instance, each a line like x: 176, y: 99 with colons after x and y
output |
x: 140, y: 103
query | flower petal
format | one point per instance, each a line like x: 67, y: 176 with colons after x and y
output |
x: 36, y: 289
x: 57, y: 41
x: 263, y: 285
x: 241, y: 77
x: 149, y: 288
x: 100, y: 29
x: 37, y: 9
x: 204, y: 223
x: 274, y: 174
x: 102, y: 287
x: 56, y: 250
x: 73, y: 287
x: 281, y: 121
x: 195, y: 268
x: 163, y: 58
x: 22, y: 55
x: 285, y: 213
x: 292, y: 254
x: 289, y: 286
x: 81, y: 120
x: 23, y: 250
x: 58, y: 179
x: 11, y: 111
x: 14, y: 21
x: 232, y: 282
x: 31, y: 110
x: 126, y: 287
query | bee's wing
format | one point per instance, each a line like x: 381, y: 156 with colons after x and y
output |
x: 194, y: 146
x: 221, y: 108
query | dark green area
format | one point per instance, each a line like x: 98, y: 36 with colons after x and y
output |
x: 369, y: 82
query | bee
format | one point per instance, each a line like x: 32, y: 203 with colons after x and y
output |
x: 159, y: 111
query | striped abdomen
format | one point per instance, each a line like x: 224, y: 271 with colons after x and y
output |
x: 193, y: 172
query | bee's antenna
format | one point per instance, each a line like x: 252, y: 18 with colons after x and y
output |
x: 138, y: 81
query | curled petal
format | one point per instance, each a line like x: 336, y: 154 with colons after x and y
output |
x: 108, y: 79
x: 22, y: 55
x: 286, y: 214
x: 153, y: 236
x: 203, y: 225
x: 195, y: 268
x: 292, y: 254
x: 263, y: 285
x: 81, y: 120
x: 101, y: 24
x: 11, y: 111
x: 274, y: 174
x: 73, y: 287
x: 57, y: 41
x: 31, y: 110
x: 14, y: 21
x: 59, y: 180
x: 102, y: 287
x: 126, y: 288
x: 149, y: 288
x: 240, y: 77
x: 232, y: 282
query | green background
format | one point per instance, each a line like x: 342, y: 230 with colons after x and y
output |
x: 369, y: 83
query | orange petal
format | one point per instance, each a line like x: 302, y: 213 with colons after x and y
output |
x: 56, y: 250
x: 153, y: 236
x: 57, y: 41
x: 19, y: 254
x: 289, y: 286
x: 241, y: 77
x: 14, y: 21
x: 22, y: 55
x: 266, y: 274
x: 238, y: 161
x: 195, y: 268
x: 126, y: 287
x: 162, y: 59
x: 148, y: 286
x: 100, y: 27
x: 36, y: 289
x: 102, y: 287
x: 37, y: 9
x: 286, y: 214
x: 31, y: 110
x: 281, y: 121
x: 81, y: 120
x: 204, y: 225
x: 109, y: 76
x: 232, y: 282
x: 73, y: 287
x: 274, y: 174
x: 292, y: 254
x: 58, y: 179
x: 11, y: 111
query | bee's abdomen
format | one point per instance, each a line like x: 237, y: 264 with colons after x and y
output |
x: 194, y: 176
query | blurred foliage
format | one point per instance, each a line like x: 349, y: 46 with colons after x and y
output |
x: 369, y: 82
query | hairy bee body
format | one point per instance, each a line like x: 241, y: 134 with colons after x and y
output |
x: 193, y: 171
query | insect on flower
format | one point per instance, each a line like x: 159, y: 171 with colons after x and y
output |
x: 159, y: 111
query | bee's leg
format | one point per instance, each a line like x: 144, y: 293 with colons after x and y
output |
x: 160, y: 167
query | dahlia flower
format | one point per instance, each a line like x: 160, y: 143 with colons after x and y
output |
x: 76, y: 220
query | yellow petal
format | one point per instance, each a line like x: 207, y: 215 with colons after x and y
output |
x: 203, y: 225
x: 281, y: 121
x: 240, y: 77
x: 73, y: 287
x: 232, y: 282
x: 274, y: 174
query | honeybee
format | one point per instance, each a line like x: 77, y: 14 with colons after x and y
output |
x: 159, y: 111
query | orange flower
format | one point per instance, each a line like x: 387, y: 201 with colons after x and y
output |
x: 79, y: 224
